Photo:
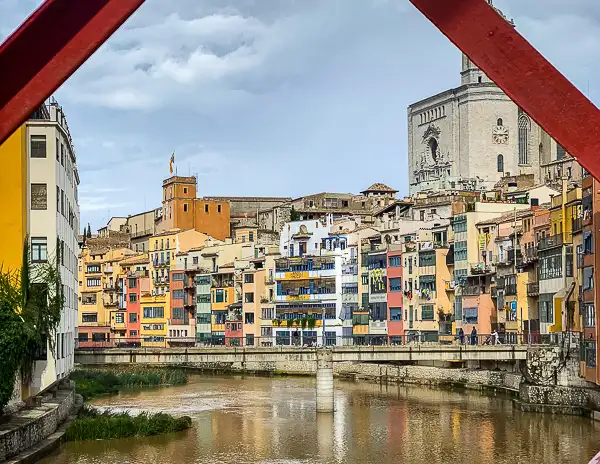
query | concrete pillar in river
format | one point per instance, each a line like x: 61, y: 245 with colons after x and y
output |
x: 324, y: 381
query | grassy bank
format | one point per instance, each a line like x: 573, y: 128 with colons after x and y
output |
x: 91, y: 383
x: 92, y: 424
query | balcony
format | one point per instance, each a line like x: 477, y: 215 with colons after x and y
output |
x: 472, y: 290
x: 510, y: 290
x: 185, y: 321
x: 494, y: 292
x: 269, y: 280
x: 533, y: 289
x: 577, y: 224
x: 142, y: 233
x: 480, y: 268
x: 142, y: 273
x: 550, y: 242
x: 530, y: 255
x: 450, y: 286
x: 108, y: 269
x: 166, y: 263
x: 111, y: 304
x: 93, y: 270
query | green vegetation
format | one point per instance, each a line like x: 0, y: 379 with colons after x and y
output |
x: 92, y: 424
x: 91, y: 383
x: 30, y: 304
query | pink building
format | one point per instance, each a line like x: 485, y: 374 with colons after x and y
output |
x: 394, y: 295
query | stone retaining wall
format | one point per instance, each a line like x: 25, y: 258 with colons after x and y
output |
x: 28, y: 427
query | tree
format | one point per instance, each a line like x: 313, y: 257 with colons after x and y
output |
x: 89, y: 231
x: 294, y: 215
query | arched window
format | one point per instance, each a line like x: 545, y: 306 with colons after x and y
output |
x: 524, y: 128
x: 499, y: 122
x: 433, y: 146
x: 500, y: 163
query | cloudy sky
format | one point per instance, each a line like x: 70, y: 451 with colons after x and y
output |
x: 274, y: 97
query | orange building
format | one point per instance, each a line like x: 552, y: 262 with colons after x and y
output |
x: 182, y: 210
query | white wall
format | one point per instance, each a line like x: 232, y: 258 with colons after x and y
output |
x: 53, y: 225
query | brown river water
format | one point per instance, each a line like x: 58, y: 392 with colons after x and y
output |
x: 273, y: 420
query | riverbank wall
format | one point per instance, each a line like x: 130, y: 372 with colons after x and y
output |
x: 32, y: 432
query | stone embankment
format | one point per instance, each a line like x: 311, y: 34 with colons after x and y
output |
x: 30, y: 433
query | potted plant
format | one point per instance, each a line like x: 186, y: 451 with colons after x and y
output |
x: 303, y: 322
x: 312, y: 322
x: 289, y: 323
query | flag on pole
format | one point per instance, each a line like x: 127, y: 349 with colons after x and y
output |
x: 171, y: 163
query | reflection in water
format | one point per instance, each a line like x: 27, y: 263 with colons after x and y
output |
x: 258, y: 420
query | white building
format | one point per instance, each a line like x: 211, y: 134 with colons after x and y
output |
x: 468, y: 137
x: 54, y: 223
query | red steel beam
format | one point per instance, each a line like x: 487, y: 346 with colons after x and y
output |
x: 48, y: 47
x: 522, y: 73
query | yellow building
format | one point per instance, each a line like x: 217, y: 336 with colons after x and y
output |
x: 163, y: 249
x: 155, y: 311
x: 101, y: 296
x: 13, y: 191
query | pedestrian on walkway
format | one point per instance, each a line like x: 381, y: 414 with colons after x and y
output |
x: 461, y: 336
x: 474, y: 336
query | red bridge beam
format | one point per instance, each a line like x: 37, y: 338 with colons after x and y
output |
x: 522, y: 73
x: 48, y: 47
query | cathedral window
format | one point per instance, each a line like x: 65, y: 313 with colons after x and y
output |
x: 500, y: 163
x: 433, y: 146
x: 524, y: 128
x: 499, y: 122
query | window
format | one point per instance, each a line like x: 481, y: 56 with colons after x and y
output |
x: 98, y: 337
x: 178, y: 313
x: 499, y: 122
x: 119, y: 318
x: 249, y: 297
x: 395, y: 314
x: 57, y: 199
x: 62, y: 154
x: 500, y: 163
x: 38, y: 146
x: 551, y: 264
x: 132, y: 298
x: 206, y: 208
x: 248, y: 278
x: 396, y: 284
x: 219, y: 295
x: 185, y: 207
x: 39, y: 249
x: 218, y: 208
x: 395, y: 261
x: 131, y: 283
x: 62, y: 202
x: 427, y: 313
x: 93, y: 282
x: 39, y: 197
x: 589, y: 315
x: 154, y: 312
x: 250, y: 236
x: 249, y: 318
x: 132, y: 318
x: 184, y: 189
x: 427, y: 259
x: 422, y: 215
x: 470, y: 315
x: 546, y: 309
x: 178, y: 294
x: 524, y: 128
x: 57, y: 150
x: 92, y: 268
x: 560, y: 151
x: 88, y: 318
x: 133, y: 333
x: 588, y: 278
x: 178, y: 276
x: 268, y: 314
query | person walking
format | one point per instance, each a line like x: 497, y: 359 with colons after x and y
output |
x: 461, y: 336
x: 474, y: 336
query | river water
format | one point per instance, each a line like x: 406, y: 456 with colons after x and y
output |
x: 273, y: 420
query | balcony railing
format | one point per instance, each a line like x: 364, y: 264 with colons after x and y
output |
x: 472, y: 290
x: 533, y: 289
x: 531, y: 254
x: 108, y: 269
x: 550, y: 242
x: 510, y: 290
x: 480, y: 268
x: 185, y: 321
